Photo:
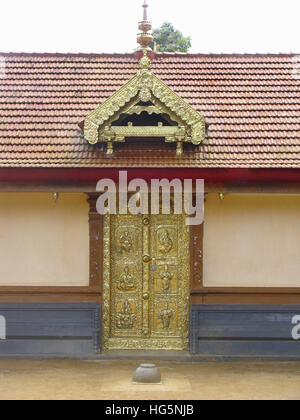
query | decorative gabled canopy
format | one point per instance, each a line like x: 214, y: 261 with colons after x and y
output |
x: 123, y: 114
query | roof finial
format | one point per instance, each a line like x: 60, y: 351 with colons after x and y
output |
x: 144, y: 38
x: 145, y: 6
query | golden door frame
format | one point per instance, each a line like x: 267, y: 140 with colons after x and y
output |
x: 148, y: 336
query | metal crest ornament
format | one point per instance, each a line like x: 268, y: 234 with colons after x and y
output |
x: 145, y: 92
x: 145, y: 86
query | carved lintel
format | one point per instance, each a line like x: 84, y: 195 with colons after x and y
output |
x: 116, y: 132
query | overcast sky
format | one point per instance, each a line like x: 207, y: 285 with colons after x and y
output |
x: 111, y: 25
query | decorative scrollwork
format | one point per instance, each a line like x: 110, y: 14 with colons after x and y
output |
x: 145, y: 85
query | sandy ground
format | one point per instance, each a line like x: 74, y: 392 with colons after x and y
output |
x: 60, y: 379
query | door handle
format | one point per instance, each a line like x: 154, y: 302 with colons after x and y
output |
x: 146, y: 258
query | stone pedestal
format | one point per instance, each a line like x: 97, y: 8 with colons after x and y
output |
x: 147, y: 373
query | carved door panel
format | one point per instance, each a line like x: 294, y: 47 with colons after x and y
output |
x: 146, y: 282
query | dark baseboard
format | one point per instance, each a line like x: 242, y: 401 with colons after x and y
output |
x: 51, y: 329
x: 217, y: 333
x: 243, y: 331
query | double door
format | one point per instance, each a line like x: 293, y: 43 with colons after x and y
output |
x: 146, y: 282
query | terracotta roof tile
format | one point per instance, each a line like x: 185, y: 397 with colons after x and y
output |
x: 251, y: 104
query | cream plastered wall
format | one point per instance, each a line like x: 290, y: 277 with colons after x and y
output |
x: 43, y: 243
x: 252, y: 241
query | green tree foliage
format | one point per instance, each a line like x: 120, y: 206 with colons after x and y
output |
x: 167, y: 38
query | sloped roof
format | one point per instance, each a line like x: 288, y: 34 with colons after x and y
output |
x: 251, y: 105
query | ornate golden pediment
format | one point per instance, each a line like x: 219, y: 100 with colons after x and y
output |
x: 145, y: 93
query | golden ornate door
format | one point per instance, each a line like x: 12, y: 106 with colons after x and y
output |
x: 146, y: 282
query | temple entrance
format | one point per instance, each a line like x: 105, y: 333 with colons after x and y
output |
x: 146, y: 282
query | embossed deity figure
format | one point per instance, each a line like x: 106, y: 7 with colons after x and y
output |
x: 125, y: 319
x: 166, y: 278
x: 165, y: 242
x: 126, y: 242
x: 166, y: 315
x: 126, y: 280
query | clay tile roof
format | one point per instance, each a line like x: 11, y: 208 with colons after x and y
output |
x: 251, y: 104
